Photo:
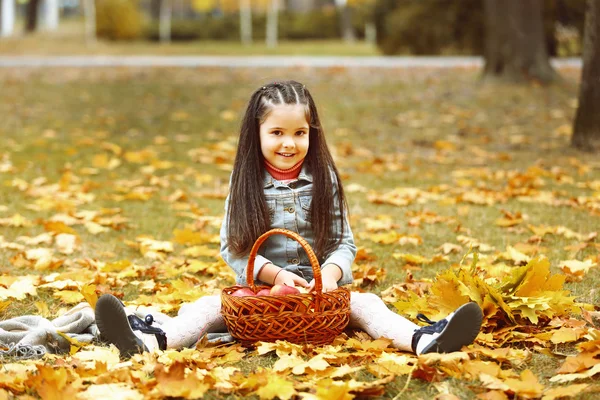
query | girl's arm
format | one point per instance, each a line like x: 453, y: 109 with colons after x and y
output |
x: 343, y: 256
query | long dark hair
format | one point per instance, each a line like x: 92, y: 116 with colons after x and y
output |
x: 248, y: 215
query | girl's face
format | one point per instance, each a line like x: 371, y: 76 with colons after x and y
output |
x: 284, y: 135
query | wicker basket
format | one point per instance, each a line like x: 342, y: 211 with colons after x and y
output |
x: 315, y: 317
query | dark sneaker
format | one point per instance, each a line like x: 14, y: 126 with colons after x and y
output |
x: 129, y: 333
x: 458, y: 329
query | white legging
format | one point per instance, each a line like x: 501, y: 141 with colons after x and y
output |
x: 367, y: 312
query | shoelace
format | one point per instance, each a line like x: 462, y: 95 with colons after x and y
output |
x: 21, y: 351
x: 433, y: 327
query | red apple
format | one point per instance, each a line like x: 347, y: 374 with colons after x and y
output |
x: 264, y: 292
x: 281, y: 290
x: 243, y: 292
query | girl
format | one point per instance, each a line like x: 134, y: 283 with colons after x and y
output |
x: 284, y: 177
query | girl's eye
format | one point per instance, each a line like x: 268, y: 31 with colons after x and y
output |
x: 300, y: 133
x: 276, y: 133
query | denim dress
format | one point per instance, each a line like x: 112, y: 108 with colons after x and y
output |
x: 289, y: 205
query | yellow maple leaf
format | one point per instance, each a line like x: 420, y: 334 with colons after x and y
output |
x: 411, y: 258
x: 91, y: 355
x: 572, y: 377
x: 66, y: 243
x: 69, y: 296
x: 566, y: 335
x: 15, y: 221
x: 55, y: 383
x: 94, y: 228
x: 493, y: 395
x: 515, y: 255
x: 508, y: 222
x: 88, y: 291
x: 579, y: 362
x: 116, y: 266
x: 447, y: 291
x: 277, y: 387
x: 174, y: 382
x: 565, y: 391
x: 42, y: 308
x: 121, y: 391
x: 286, y: 362
x: 59, y: 227
x: 20, y: 288
x: 187, y: 236
x: 75, y: 344
x: 448, y: 248
x: 316, y: 363
x: 527, y: 386
x: 334, y: 390
x: 397, y: 364
x: 576, y: 269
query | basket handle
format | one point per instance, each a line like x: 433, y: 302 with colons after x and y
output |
x: 314, y: 262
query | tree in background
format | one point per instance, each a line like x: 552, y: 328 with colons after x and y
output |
x: 515, y: 47
x: 272, y: 23
x: 31, y: 16
x: 164, y: 24
x: 429, y: 27
x: 7, y: 17
x: 245, y: 22
x: 586, y: 130
x: 89, y: 14
x: 458, y: 27
x: 345, y: 13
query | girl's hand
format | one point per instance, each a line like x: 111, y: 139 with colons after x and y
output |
x: 330, y: 275
x: 290, y: 279
x: 329, y: 284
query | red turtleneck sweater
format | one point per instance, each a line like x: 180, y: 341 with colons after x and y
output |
x: 283, y: 175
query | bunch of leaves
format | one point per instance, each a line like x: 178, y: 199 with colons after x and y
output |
x: 514, y: 300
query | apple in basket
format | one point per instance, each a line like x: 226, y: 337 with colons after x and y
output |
x: 281, y: 290
x: 243, y: 292
x: 264, y: 292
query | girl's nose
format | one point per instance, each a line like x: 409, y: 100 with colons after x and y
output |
x: 288, y: 142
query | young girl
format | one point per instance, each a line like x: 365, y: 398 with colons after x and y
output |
x: 284, y: 177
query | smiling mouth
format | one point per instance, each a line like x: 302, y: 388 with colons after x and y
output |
x: 286, y: 154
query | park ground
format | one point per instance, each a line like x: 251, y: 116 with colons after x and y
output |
x: 114, y: 179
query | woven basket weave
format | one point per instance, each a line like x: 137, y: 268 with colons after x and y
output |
x: 315, y: 317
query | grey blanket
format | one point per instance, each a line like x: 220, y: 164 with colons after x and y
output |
x: 31, y: 336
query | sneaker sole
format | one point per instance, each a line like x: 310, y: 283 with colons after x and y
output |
x: 114, y: 327
x: 462, y: 330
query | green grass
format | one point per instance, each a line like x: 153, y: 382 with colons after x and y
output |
x: 383, y: 126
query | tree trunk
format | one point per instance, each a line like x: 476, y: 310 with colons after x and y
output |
x: 245, y: 22
x: 89, y: 13
x: 7, y: 17
x: 346, y: 24
x: 272, y: 24
x: 515, y: 49
x: 48, y: 15
x: 31, y: 16
x: 155, y: 9
x: 586, y: 129
x: 164, y: 28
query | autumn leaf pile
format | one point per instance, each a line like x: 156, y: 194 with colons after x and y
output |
x: 106, y: 191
